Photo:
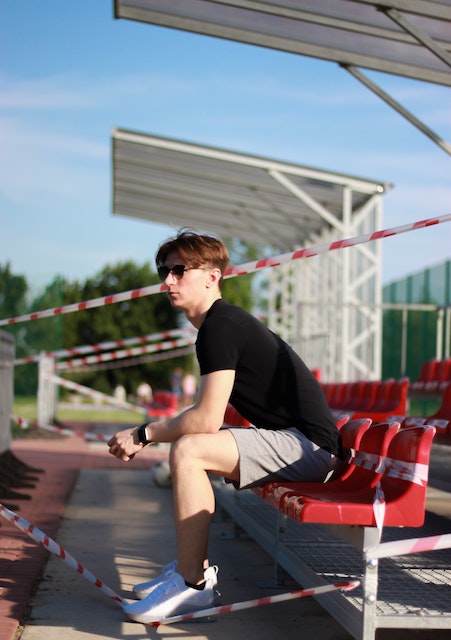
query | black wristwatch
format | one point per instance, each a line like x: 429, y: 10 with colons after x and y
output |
x: 142, y: 434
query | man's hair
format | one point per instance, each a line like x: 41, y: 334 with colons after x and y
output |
x: 196, y: 250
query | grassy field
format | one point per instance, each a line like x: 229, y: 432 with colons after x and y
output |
x: 25, y: 407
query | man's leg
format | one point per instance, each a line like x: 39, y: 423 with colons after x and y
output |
x: 192, y: 457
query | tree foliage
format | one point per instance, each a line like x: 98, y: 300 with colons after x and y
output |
x: 13, y: 289
x: 13, y: 303
x: 114, y: 322
x: 127, y: 319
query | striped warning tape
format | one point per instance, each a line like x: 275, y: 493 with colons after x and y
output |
x: 51, y: 545
x: 105, y: 346
x: 406, y: 547
x: 259, y: 602
x: 68, y: 384
x: 243, y: 269
x: 410, y: 471
x: 125, y: 353
x: 88, y: 435
x: 48, y: 543
x: 135, y: 360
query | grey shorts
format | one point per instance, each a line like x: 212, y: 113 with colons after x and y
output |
x: 286, y: 455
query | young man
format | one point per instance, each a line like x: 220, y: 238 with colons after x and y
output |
x: 294, y: 437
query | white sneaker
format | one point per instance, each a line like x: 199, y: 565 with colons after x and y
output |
x: 143, y: 589
x: 173, y: 598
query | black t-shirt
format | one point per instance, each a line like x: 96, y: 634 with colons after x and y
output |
x: 273, y: 388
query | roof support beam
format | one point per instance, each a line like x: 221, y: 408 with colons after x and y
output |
x: 425, y: 8
x: 446, y: 146
x: 306, y: 199
x: 419, y: 35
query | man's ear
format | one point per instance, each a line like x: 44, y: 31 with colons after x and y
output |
x: 214, y: 276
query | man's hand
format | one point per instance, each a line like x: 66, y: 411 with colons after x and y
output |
x: 124, y: 444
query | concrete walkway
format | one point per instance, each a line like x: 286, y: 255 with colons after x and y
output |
x: 119, y: 525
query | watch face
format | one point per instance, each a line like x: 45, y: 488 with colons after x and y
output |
x: 142, y: 435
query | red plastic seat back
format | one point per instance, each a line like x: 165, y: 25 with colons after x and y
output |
x: 376, y: 440
x: 355, y: 395
x: 428, y: 369
x: 337, y: 395
x: 343, y: 400
x: 340, y: 421
x: 444, y: 411
x: 352, y: 432
x: 328, y: 388
x: 381, y: 396
x: 397, y: 396
x: 404, y: 486
x: 445, y: 374
x: 368, y: 395
x: 233, y: 418
x: 441, y: 370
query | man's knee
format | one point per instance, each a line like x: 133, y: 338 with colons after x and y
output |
x: 182, y: 450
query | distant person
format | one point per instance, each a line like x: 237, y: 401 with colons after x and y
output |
x: 176, y: 383
x: 294, y: 438
x: 189, y: 388
x: 144, y: 394
x: 119, y: 393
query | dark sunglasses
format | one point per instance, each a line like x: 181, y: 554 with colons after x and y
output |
x: 177, y: 270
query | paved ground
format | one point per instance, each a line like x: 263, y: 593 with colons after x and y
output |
x: 118, y: 524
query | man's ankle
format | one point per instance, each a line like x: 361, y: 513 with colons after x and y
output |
x: 198, y: 587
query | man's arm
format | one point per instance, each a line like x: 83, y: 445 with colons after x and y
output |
x: 205, y: 416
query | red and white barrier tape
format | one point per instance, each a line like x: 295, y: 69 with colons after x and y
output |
x: 411, y: 471
x: 104, y: 346
x: 259, y: 602
x: 379, y: 508
x: 132, y: 362
x: 239, y: 270
x: 39, y: 536
x: 25, y: 424
x: 125, y: 353
x: 441, y: 424
x: 68, y: 384
x: 89, y: 304
x: 48, y: 543
x: 406, y: 547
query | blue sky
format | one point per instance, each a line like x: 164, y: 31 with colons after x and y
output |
x: 70, y: 73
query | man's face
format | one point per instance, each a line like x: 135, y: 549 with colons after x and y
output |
x: 186, y: 287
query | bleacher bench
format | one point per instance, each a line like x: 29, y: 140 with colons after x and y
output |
x: 435, y: 375
x: 318, y: 532
x: 164, y: 405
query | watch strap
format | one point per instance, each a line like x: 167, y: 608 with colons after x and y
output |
x: 142, y: 434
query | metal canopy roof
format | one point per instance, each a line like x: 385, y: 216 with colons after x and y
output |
x: 409, y: 38
x: 404, y: 37
x: 253, y: 198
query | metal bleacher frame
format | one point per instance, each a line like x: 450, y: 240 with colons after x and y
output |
x: 393, y: 591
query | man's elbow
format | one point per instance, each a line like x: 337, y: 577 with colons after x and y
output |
x: 212, y: 424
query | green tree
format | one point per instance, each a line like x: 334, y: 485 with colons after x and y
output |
x: 36, y: 336
x: 127, y: 319
x: 13, y: 290
x: 13, y: 303
x: 240, y: 290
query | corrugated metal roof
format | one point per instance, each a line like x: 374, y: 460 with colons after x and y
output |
x: 409, y: 38
x: 256, y: 199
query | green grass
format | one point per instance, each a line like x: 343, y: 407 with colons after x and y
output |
x: 25, y: 407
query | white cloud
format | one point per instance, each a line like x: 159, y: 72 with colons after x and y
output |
x: 77, y: 91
